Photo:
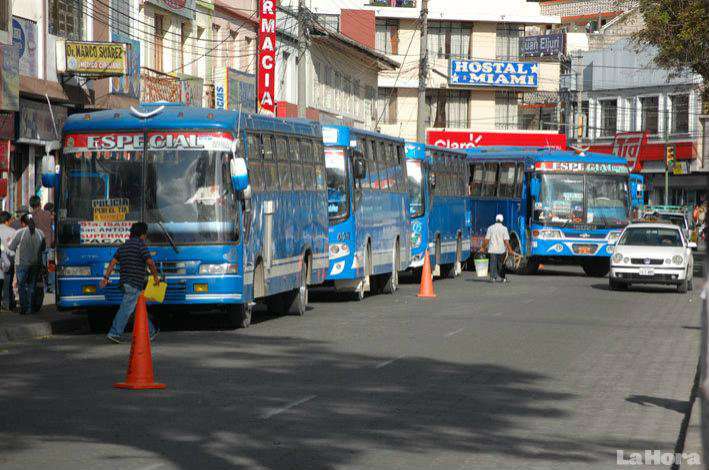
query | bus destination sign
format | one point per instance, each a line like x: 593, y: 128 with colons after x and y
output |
x: 134, y: 141
x: 582, y: 167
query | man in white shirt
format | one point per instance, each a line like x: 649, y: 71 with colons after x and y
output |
x: 7, y: 233
x: 497, y: 243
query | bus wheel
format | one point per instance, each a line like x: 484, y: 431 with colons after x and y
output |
x: 527, y: 266
x: 364, y: 284
x: 240, y: 315
x: 391, y: 280
x: 451, y: 271
x: 596, y: 268
x: 297, y: 300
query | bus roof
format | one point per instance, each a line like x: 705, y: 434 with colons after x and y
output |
x: 342, y: 136
x: 417, y: 150
x: 542, y: 154
x: 184, y: 117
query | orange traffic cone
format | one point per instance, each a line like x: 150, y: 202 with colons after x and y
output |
x: 140, y: 365
x: 426, y: 289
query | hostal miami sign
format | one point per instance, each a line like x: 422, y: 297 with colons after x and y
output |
x: 266, y: 56
x: 485, y: 73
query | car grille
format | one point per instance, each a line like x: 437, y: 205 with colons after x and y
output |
x: 656, y: 277
x: 653, y: 261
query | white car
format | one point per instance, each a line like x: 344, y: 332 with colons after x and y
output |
x: 652, y: 253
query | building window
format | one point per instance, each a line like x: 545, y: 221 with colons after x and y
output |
x: 680, y: 114
x: 158, y: 39
x: 609, y: 117
x: 330, y: 21
x: 120, y: 17
x: 448, y: 108
x: 387, y: 37
x: 507, y: 41
x: 65, y: 18
x: 449, y: 39
x: 506, y: 110
x: 386, y: 106
x: 649, y: 106
x: 4, y: 14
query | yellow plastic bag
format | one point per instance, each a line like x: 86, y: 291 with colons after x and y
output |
x: 155, y: 292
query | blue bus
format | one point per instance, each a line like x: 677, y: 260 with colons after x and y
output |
x: 368, y: 210
x: 559, y: 206
x: 218, y: 190
x: 637, y: 190
x: 438, y: 207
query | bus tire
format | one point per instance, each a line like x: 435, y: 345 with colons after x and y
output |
x: 359, y: 293
x: 240, y: 315
x: 451, y: 271
x: 297, y: 300
x: 596, y: 268
x: 390, y: 282
x: 528, y: 266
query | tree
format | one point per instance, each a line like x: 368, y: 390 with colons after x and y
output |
x: 679, y: 29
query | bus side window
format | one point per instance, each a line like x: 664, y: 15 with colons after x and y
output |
x: 490, y: 182
x: 401, y: 168
x: 319, y: 159
x: 270, y: 172
x: 255, y: 162
x: 382, y: 166
x: 296, y: 163
x: 306, y: 153
x: 478, y: 179
x: 372, y: 173
x: 284, y: 174
x: 392, y: 164
x: 519, y: 180
x: 507, y: 180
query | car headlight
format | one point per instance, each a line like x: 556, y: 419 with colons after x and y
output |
x: 338, y: 250
x: 226, y: 268
x: 549, y: 234
x: 75, y: 270
x: 678, y: 259
x: 618, y: 258
x: 613, y: 236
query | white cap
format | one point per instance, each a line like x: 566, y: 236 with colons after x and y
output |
x: 499, y: 218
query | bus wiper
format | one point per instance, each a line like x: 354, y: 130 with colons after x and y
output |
x: 168, y: 236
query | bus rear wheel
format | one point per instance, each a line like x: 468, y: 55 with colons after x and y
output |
x: 240, y: 315
x: 596, y: 268
x: 390, y: 282
x: 451, y: 271
x: 296, y: 301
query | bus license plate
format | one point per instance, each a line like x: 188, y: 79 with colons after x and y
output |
x: 647, y: 271
x: 585, y: 250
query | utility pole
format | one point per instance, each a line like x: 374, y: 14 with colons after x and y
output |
x: 423, y: 75
x: 579, y: 92
x: 302, y: 48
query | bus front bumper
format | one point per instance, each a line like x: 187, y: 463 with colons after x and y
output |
x: 564, y: 247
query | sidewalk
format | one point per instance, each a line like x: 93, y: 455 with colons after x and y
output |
x: 15, y: 327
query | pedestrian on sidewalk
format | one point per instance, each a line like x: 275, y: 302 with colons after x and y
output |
x: 7, y: 261
x: 497, y: 243
x: 133, y: 257
x: 28, y: 245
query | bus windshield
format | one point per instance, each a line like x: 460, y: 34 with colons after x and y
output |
x: 600, y: 200
x: 337, y: 184
x: 103, y: 192
x: 414, y: 170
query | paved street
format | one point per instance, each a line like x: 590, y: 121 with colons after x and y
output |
x: 551, y: 371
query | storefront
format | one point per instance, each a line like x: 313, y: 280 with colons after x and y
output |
x: 35, y: 133
x: 7, y: 133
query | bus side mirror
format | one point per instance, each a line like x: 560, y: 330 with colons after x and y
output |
x: 534, y: 188
x: 359, y: 168
x: 49, y: 171
x: 432, y: 180
x: 239, y: 174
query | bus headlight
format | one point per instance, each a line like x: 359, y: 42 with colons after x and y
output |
x: 339, y: 250
x: 549, y: 234
x: 678, y: 259
x: 618, y: 258
x: 75, y: 270
x: 613, y: 237
x: 226, y: 268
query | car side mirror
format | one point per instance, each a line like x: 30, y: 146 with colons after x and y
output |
x: 239, y: 174
x: 359, y: 168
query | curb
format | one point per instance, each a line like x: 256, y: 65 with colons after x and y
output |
x: 40, y: 326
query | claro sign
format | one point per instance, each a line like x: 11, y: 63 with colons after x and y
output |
x: 266, y: 56
x: 472, y: 139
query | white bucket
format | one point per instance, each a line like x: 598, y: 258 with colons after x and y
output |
x: 481, y: 265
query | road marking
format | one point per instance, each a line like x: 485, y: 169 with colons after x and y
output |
x: 453, y: 333
x: 278, y: 411
x: 386, y: 363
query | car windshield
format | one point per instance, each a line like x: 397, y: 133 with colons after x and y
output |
x: 600, y: 200
x: 183, y: 193
x: 651, y: 236
x: 337, y: 184
x: 417, y: 205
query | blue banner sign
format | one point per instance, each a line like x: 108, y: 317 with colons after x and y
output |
x: 540, y: 46
x: 483, y: 73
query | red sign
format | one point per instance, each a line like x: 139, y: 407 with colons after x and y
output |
x: 646, y: 152
x: 628, y: 145
x: 472, y: 139
x: 266, y: 56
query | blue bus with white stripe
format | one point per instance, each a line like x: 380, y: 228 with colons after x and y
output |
x: 559, y: 206
x: 368, y: 210
x: 438, y: 207
x: 218, y: 190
